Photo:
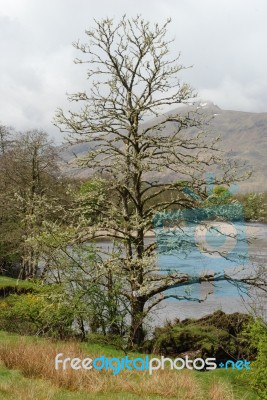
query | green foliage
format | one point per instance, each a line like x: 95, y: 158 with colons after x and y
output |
x: 46, y: 313
x: 238, y: 382
x: 217, y: 335
x: 11, y: 286
x: 220, y: 196
x: 221, y: 191
x: 29, y: 175
x: 254, y: 207
x: 238, y: 388
x: 7, y: 282
x: 258, y: 336
x: 95, y: 293
x: 95, y: 186
x: 92, y: 199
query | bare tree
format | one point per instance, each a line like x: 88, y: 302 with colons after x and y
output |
x: 132, y: 79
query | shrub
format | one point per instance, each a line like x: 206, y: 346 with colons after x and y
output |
x: 46, y: 313
x: 258, y: 335
x: 217, y: 335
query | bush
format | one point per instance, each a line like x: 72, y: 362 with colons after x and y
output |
x: 258, y: 335
x: 217, y: 335
x: 254, y: 205
x: 45, y: 313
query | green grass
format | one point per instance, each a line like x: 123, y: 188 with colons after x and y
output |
x: 89, y: 347
x: 237, y: 381
x: 7, y: 282
x: 13, y: 385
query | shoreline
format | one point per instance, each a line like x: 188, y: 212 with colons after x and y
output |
x: 250, y: 229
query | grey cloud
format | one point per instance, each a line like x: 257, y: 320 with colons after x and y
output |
x: 224, y: 40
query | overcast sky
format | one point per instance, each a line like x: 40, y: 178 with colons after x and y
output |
x: 224, y: 40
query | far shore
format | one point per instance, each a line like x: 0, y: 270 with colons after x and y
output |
x: 249, y: 228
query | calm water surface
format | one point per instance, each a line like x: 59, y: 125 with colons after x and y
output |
x: 225, y: 296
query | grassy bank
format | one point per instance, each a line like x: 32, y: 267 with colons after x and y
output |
x: 27, y: 372
x: 7, y: 282
x: 10, y: 286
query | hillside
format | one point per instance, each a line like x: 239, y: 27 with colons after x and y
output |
x: 243, y: 135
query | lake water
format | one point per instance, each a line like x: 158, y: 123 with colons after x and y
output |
x: 224, y: 296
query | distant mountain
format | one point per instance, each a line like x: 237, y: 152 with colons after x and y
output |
x: 243, y: 135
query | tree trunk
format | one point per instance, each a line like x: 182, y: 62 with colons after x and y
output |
x: 137, y: 334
